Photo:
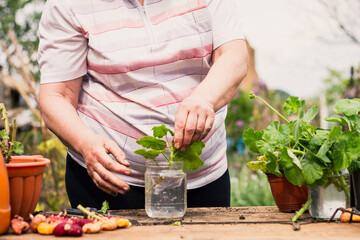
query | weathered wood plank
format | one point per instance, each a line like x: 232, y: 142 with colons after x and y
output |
x: 232, y: 215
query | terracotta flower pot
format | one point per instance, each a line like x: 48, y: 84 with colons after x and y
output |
x: 25, y: 179
x: 4, y: 198
x: 287, y: 196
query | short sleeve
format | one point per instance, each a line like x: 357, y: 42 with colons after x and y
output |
x: 63, y: 48
x: 226, y: 22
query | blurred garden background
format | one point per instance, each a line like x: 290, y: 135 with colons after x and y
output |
x: 321, y: 67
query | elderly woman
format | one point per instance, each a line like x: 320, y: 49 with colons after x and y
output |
x: 113, y: 69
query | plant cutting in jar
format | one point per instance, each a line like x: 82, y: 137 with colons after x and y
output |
x: 305, y: 154
x: 155, y: 145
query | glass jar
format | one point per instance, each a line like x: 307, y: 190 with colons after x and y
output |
x: 165, y: 189
x: 326, y: 199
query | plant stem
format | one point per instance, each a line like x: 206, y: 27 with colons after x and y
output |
x: 267, y: 104
x: 302, y: 210
x: 88, y: 213
x: 297, y: 151
x: 344, y: 187
x: 5, y: 118
x: 13, y: 136
x: 159, y: 180
x: 5, y: 142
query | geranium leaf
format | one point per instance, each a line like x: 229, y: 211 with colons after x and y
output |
x: 319, y: 137
x: 277, y: 134
x: 265, y: 146
x: 18, y: 148
x: 257, y: 165
x: 291, y: 105
x: 152, y: 142
x: 311, y: 114
x: 312, y: 170
x: 295, y: 176
x: 251, y: 137
x: 333, y: 135
x: 348, y: 107
x: 347, y: 148
x: 4, y: 135
x: 273, y: 165
x: 191, y: 156
x: 161, y: 131
x: 149, y: 154
x: 297, y: 128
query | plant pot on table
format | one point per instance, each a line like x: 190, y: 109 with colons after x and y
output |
x: 5, y: 209
x: 25, y: 179
x: 287, y: 196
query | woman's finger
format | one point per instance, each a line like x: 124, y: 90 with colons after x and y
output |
x: 114, y: 149
x: 208, y: 126
x: 108, y: 178
x: 190, y: 127
x: 180, y: 121
x: 106, y: 187
x: 200, y: 128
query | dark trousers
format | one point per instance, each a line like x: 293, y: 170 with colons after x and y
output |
x: 82, y: 190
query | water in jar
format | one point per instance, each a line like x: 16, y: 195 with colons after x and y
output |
x: 165, y: 194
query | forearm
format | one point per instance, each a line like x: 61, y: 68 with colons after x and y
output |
x: 224, y: 77
x: 62, y: 119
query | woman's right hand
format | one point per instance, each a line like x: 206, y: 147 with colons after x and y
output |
x: 96, y: 151
x: 58, y: 102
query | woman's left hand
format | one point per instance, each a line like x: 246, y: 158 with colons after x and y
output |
x: 193, y: 121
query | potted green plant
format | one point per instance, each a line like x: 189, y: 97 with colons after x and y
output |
x: 303, y: 153
x: 165, y: 181
x: 25, y: 172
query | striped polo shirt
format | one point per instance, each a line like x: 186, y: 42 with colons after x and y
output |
x: 139, y: 63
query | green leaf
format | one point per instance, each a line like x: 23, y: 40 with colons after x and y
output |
x: 18, y: 148
x: 348, y: 107
x: 251, y: 137
x: 265, y: 146
x: 149, y: 154
x: 161, y: 131
x: 347, y: 148
x: 294, y: 158
x: 312, y: 170
x: 105, y: 207
x: 152, y: 142
x: 276, y: 134
x: 291, y: 105
x: 355, y: 121
x: 285, y: 160
x: 319, y: 137
x: 295, y: 176
x: 4, y: 135
x: 311, y: 114
x: 191, y: 156
x: 354, y: 166
x: 297, y: 128
x: 333, y: 135
x: 257, y: 165
x: 337, y: 119
x: 273, y: 165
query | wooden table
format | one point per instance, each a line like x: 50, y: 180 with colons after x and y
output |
x: 221, y: 223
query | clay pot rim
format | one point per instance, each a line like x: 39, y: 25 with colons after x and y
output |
x: 33, y: 161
